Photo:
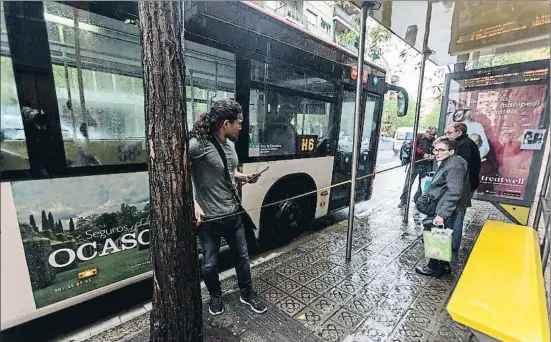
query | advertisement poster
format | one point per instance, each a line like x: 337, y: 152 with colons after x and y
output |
x: 505, y: 122
x: 80, y: 234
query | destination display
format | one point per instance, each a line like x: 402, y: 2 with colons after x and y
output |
x: 485, y: 24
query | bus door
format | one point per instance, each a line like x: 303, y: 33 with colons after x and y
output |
x: 342, y: 170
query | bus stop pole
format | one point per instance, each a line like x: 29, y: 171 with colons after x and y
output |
x: 426, y: 54
x: 367, y: 6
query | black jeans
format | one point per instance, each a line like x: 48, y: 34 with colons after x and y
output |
x: 418, y: 170
x: 233, y: 231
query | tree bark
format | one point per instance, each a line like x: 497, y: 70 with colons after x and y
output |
x: 177, y: 311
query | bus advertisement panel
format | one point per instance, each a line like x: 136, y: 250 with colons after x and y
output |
x: 83, y: 233
x: 505, y: 114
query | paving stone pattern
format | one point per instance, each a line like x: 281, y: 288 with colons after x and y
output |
x: 315, y: 295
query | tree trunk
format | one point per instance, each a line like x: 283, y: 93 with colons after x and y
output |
x: 177, y: 311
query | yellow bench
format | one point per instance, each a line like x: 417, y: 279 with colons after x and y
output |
x: 501, y: 294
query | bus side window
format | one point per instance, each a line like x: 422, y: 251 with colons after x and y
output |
x: 13, y: 154
x: 277, y: 121
x: 210, y: 76
x: 97, y: 73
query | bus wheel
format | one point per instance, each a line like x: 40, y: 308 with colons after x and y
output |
x: 285, y: 220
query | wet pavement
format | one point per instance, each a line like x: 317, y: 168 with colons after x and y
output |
x: 313, y: 294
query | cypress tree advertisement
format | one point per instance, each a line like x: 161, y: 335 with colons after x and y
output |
x: 91, y: 232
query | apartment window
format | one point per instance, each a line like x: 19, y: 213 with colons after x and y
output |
x: 325, y: 26
x: 312, y: 18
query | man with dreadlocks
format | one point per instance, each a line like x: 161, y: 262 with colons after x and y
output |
x: 214, y: 172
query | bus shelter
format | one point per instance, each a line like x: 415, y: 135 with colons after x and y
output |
x: 497, y: 84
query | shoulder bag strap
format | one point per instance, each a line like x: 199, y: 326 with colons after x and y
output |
x: 226, y: 170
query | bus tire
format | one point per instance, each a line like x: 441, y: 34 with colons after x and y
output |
x: 281, y: 222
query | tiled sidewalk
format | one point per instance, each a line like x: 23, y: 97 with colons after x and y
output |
x: 314, y: 295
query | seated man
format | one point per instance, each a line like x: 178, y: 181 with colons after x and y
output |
x: 281, y: 132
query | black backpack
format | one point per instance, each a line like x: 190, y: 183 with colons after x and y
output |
x: 405, y: 153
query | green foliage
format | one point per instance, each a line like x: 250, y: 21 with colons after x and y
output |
x: 113, y: 268
x: 27, y: 231
x: 86, y: 223
x: 32, y: 223
x: 390, y: 120
x: 44, y: 221
x: 378, y: 36
x: 51, y: 223
x: 127, y: 216
x: 433, y: 118
x: 347, y: 37
x: 37, y: 251
x: 61, y: 237
x: 47, y: 234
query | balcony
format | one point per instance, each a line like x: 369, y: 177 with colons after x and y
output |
x: 292, y: 14
x: 344, y: 18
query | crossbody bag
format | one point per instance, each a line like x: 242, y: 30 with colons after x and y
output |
x: 248, y: 223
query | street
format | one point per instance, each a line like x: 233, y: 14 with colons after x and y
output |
x: 387, y: 159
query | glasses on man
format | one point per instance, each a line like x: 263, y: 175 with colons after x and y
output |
x: 440, y: 150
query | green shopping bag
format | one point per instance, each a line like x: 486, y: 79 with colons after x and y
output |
x: 438, y: 244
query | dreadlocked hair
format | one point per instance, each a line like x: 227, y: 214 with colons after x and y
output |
x: 208, y: 123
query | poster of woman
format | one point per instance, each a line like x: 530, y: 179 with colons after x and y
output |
x: 505, y: 124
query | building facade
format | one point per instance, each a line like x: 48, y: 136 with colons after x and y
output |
x: 328, y: 20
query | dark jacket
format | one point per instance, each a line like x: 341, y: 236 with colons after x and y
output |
x: 424, y: 146
x: 450, y: 187
x: 469, y: 151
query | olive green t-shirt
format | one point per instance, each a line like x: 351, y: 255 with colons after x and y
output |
x: 210, y: 187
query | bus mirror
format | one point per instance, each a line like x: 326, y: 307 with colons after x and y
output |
x: 402, y: 104
x: 402, y: 98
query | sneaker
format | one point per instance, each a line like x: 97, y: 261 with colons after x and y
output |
x: 216, y: 305
x: 255, y: 302
x: 402, y: 204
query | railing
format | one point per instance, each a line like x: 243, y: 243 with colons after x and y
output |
x: 344, y: 16
x: 293, y: 13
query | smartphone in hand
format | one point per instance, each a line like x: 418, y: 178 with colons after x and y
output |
x: 257, y: 175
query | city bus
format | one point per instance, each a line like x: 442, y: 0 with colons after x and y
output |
x: 74, y: 182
